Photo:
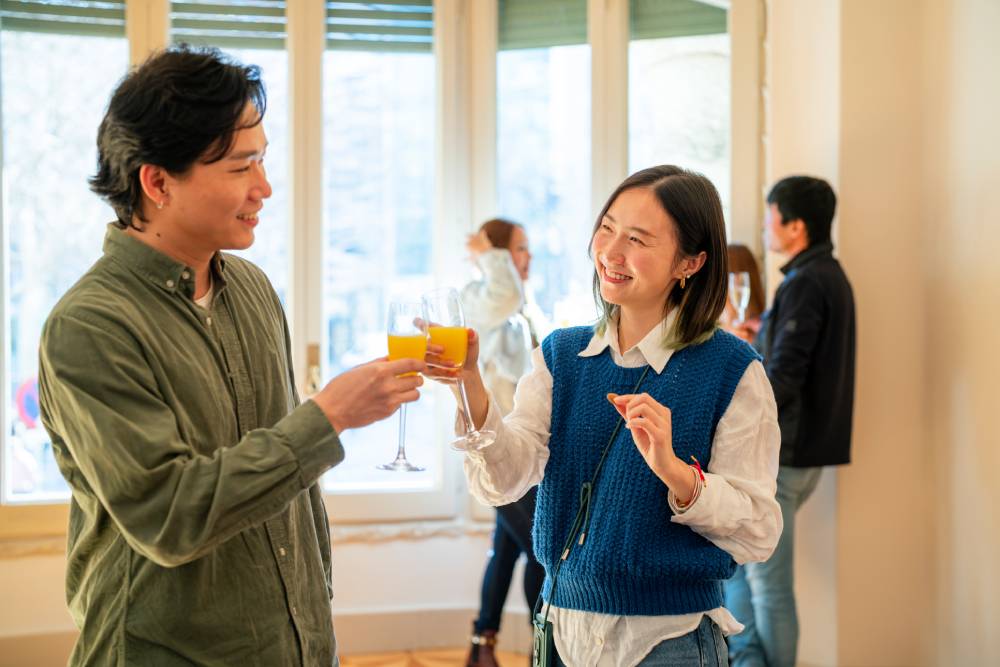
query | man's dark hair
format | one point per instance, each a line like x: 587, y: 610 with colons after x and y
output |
x: 808, y: 199
x: 182, y: 105
x: 694, y: 207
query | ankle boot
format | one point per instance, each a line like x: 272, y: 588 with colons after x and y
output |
x: 482, y: 651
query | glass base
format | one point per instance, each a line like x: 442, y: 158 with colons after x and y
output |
x: 473, y: 440
x: 400, y: 465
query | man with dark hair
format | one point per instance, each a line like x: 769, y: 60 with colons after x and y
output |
x: 807, y: 339
x: 198, y: 534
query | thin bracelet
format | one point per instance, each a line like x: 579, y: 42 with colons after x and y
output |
x: 695, y: 493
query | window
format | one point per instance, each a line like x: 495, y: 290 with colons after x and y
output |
x: 254, y: 34
x: 52, y: 224
x: 388, y: 134
x: 543, y: 147
x: 378, y: 189
x: 679, y: 88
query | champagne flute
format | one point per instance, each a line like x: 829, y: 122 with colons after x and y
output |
x: 446, y: 327
x: 407, y: 340
x: 739, y: 292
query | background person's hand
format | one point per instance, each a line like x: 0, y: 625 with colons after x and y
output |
x: 370, y: 392
x: 477, y: 244
x: 746, y: 330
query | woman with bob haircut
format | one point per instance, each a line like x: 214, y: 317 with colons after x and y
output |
x: 637, y: 527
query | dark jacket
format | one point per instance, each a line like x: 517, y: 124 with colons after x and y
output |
x: 808, y: 341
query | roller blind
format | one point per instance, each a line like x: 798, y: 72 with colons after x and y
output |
x: 387, y: 25
x: 653, y: 19
x: 531, y: 24
x: 70, y: 17
x: 245, y: 24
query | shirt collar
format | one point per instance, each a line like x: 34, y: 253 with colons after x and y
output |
x: 155, y: 267
x: 808, y: 255
x: 652, y: 348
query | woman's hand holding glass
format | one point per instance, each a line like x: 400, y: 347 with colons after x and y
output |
x: 452, y: 356
x: 652, y: 431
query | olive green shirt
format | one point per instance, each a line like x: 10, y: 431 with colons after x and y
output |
x: 197, y: 531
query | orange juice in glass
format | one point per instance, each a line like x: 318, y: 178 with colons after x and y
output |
x: 443, y: 313
x: 454, y: 340
x: 407, y: 340
x: 410, y: 346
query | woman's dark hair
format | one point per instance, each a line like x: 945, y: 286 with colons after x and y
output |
x: 499, y: 231
x: 808, y: 199
x: 692, y: 204
x: 741, y: 259
x: 182, y: 105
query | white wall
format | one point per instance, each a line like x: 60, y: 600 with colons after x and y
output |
x: 803, y: 137
x: 961, y: 203
x: 421, y: 580
x: 884, y: 536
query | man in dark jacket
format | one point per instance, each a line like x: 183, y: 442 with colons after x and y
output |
x: 807, y: 339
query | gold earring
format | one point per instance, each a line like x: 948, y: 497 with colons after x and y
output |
x: 683, y: 280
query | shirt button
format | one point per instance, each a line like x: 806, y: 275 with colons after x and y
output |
x: 282, y: 551
x: 598, y: 641
x: 170, y: 283
x: 208, y: 321
x: 185, y: 275
x: 294, y: 611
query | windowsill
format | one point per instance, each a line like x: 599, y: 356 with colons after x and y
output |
x: 371, y: 533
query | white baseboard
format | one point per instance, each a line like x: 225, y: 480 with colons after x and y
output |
x: 422, y: 628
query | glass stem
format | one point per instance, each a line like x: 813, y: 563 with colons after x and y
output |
x: 466, y: 411
x: 401, y: 452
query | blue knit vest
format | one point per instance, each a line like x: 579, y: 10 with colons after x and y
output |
x: 635, y: 561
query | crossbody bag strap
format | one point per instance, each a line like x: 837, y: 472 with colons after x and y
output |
x: 582, y: 518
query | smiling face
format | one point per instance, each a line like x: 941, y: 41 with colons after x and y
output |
x: 635, y: 252
x: 215, y: 206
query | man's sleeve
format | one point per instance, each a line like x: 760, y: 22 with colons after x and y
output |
x: 795, y: 331
x: 172, y: 504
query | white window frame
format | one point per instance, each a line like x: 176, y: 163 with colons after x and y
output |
x: 465, y: 49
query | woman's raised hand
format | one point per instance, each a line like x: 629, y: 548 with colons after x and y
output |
x: 477, y: 244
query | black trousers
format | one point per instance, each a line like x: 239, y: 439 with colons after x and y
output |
x: 511, y: 538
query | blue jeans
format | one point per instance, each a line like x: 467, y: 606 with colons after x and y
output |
x: 761, y: 595
x: 702, y: 647
x: 511, y: 538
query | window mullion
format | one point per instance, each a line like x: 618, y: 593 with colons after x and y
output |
x: 147, y: 27
x: 746, y: 34
x: 481, y: 88
x: 306, y: 40
x: 452, y: 207
x: 608, y: 33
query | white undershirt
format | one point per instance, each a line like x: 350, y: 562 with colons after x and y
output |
x: 736, y: 509
x: 206, y: 301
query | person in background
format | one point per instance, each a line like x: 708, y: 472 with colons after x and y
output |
x: 687, y: 421
x: 494, y: 307
x: 808, y: 342
x: 197, y: 530
x: 742, y: 260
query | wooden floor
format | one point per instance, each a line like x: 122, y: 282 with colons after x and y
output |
x: 427, y: 658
